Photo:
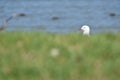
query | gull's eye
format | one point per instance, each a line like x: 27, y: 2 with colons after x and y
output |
x: 83, y: 27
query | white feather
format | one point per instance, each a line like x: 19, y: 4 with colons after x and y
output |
x: 85, y: 29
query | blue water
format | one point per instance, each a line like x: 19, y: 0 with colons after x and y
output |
x: 72, y: 15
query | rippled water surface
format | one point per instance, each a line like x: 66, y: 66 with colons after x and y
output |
x: 62, y: 15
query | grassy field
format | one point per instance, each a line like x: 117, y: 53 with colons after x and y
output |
x: 46, y: 56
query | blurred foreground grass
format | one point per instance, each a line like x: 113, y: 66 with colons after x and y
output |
x: 44, y: 56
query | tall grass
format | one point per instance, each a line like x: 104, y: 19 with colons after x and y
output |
x: 28, y: 56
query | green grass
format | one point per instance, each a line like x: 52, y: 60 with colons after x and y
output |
x: 27, y: 56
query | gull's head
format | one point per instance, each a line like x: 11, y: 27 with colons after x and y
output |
x: 85, y: 29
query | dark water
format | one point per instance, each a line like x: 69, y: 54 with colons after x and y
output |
x: 62, y: 15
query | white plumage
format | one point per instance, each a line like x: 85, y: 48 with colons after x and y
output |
x: 85, y: 29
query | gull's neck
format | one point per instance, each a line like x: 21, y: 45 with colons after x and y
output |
x: 86, y: 32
